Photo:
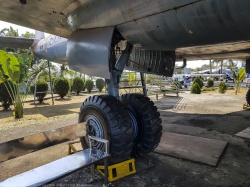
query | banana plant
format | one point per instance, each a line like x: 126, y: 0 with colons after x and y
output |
x: 14, y: 69
x: 238, y: 76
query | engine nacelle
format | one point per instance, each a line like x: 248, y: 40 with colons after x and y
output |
x: 88, y: 51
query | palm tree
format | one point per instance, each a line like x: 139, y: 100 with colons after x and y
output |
x: 66, y: 72
x: 12, y: 32
x: 2, y: 32
x: 28, y: 35
x: 38, y: 70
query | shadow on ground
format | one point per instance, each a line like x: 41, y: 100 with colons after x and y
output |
x: 229, y: 123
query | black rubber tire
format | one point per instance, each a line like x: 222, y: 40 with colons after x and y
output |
x: 248, y: 97
x: 115, y: 123
x: 148, y: 122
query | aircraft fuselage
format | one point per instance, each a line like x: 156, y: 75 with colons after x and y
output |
x: 52, y: 48
x: 167, y: 25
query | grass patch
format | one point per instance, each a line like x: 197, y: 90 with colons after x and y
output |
x: 209, y: 89
x: 28, y: 95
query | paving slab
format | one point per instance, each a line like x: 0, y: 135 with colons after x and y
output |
x: 182, y: 129
x: 204, y: 150
x: 245, y: 133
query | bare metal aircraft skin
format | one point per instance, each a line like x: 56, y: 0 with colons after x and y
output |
x: 52, y: 48
x: 158, y: 24
x: 192, y: 29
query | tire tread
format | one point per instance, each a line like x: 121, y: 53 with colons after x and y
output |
x: 119, y: 125
x: 149, y: 118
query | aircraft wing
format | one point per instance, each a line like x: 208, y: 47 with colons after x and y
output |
x: 14, y: 42
x: 195, y: 29
x: 47, y: 16
x: 237, y: 50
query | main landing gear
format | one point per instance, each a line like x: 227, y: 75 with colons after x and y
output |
x: 132, y: 125
x: 130, y: 122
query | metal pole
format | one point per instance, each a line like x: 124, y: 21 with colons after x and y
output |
x: 221, y: 64
x: 210, y: 62
x: 35, y: 83
x: 51, y: 89
x: 143, y: 83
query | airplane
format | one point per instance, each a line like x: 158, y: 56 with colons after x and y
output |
x: 204, y: 73
x: 156, y: 34
x: 223, y: 74
x: 189, y: 76
x: 52, y: 48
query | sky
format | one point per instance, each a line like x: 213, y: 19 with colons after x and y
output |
x: 194, y: 64
x: 22, y: 30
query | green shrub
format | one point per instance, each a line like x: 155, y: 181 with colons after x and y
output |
x: 210, y: 83
x: 41, y: 86
x: 125, y: 82
x: 61, y: 86
x: 78, y: 85
x: 148, y: 81
x: 222, y: 87
x: 195, y: 88
x: 216, y: 78
x: 5, y: 97
x: 89, y: 85
x: 199, y: 82
x: 100, y: 83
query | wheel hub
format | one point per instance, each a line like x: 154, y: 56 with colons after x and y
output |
x: 94, y: 128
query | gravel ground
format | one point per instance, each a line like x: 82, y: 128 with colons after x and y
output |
x: 217, y: 116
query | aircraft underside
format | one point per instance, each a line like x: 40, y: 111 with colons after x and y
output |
x: 157, y: 33
x: 152, y: 25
